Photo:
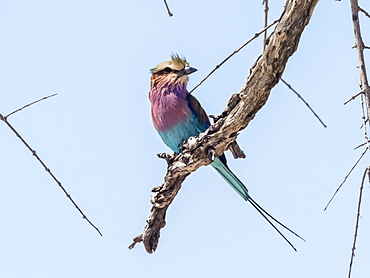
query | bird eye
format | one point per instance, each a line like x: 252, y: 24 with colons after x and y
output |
x: 167, y: 70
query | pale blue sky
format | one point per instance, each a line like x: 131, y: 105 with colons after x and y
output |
x: 97, y: 138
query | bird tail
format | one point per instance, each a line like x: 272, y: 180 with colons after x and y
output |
x: 240, y: 188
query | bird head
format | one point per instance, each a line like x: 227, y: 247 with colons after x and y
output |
x: 175, y: 71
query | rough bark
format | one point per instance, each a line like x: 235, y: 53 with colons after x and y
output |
x: 241, y: 109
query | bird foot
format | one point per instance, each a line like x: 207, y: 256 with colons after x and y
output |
x: 168, y: 157
x: 189, y: 144
x: 211, y: 154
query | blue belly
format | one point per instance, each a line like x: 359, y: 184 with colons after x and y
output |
x: 181, y: 132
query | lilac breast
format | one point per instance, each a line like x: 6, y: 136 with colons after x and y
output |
x: 169, y: 106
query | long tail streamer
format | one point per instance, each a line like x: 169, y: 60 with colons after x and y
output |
x: 240, y: 188
x: 267, y: 215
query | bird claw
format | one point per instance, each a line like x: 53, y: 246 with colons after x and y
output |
x: 211, y: 154
x: 157, y: 188
x: 167, y: 157
x: 189, y: 144
x: 215, y: 118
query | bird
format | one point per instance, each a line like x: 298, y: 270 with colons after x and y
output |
x: 177, y: 115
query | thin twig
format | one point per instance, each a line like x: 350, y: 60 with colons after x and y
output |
x: 266, y: 10
x: 168, y: 9
x: 353, y: 97
x: 363, y: 144
x: 364, y: 47
x: 357, y: 222
x: 15, y: 111
x: 365, y: 12
x: 232, y: 54
x: 305, y: 102
x: 345, y: 178
x: 5, y: 120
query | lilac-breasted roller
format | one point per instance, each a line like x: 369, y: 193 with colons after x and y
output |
x: 177, y: 115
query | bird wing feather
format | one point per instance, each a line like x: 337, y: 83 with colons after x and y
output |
x: 199, y: 112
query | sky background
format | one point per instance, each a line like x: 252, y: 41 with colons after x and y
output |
x: 97, y: 138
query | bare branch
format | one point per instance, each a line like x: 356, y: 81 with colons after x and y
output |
x: 135, y: 240
x: 47, y: 169
x: 266, y: 10
x: 236, y: 151
x: 346, y: 177
x: 161, y: 199
x: 232, y: 54
x: 361, y: 145
x: 264, y: 75
x: 168, y: 9
x: 305, y: 102
x: 365, y: 12
x: 27, y: 105
x: 365, y: 47
x: 364, y: 85
x: 353, y: 97
x: 357, y: 221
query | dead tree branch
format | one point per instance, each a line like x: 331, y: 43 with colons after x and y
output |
x: 266, y: 10
x: 303, y: 100
x: 364, y: 87
x: 345, y: 178
x: 34, y: 153
x: 353, y: 97
x: 28, y: 105
x: 168, y: 8
x: 360, y: 46
x: 265, y: 74
x: 361, y: 145
x: 232, y: 54
x: 357, y: 221
x: 365, y: 12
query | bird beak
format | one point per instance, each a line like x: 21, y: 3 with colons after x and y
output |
x: 187, y: 71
